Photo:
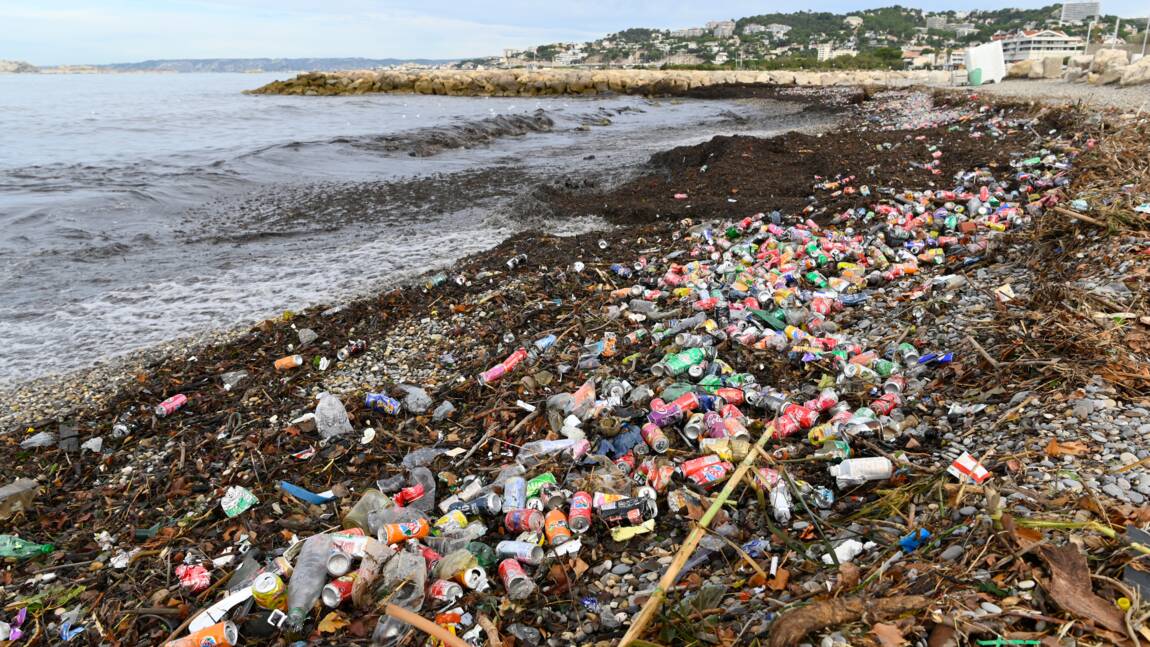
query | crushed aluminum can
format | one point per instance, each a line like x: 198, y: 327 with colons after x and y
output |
x: 237, y: 500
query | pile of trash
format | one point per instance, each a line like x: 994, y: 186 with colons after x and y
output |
x: 744, y: 432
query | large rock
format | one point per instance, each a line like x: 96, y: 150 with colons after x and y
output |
x: 1108, y: 59
x: 1021, y: 69
x: 1110, y: 75
x: 1081, y: 62
x: 1137, y: 74
x: 1052, y: 67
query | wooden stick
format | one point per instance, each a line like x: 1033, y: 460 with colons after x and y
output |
x: 982, y: 351
x: 643, y: 618
x: 1082, y: 217
x: 426, y: 626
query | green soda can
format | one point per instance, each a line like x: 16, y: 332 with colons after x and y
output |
x: 675, y: 390
x: 710, y: 383
x: 680, y: 362
x: 884, y: 367
x: 538, y: 483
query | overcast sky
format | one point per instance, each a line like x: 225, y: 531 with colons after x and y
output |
x: 51, y: 32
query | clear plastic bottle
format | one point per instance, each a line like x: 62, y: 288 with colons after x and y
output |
x: 424, y: 477
x: 307, y: 579
x: 404, y: 582
x: 379, y: 518
x: 536, y: 451
x: 371, y: 500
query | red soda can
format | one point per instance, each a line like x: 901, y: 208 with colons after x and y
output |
x: 735, y: 428
x: 408, y: 495
x: 338, y: 590
x: 785, y: 426
x: 626, y: 462
x: 731, y: 395
x: 171, y: 405
x: 513, y: 359
x: 821, y: 305
x: 842, y: 416
x: 445, y: 591
x: 707, y: 304
x: 579, y: 514
x: 802, y: 415
x: 698, y: 463
x: 523, y: 520
x: 894, y: 384
x: 687, y: 402
x: 654, y: 437
x: 731, y: 411
x: 710, y: 475
x: 886, y: 404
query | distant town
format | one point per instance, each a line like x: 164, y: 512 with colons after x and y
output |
x: 884, y: 38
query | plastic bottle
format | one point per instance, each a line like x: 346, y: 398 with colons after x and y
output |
x: 856, y: 471
x: 535, y: 451
x: 331, y: 417
x: 307, y: 579
x: 372, y: 500
x: 424, y: 477
x: 404, y: 579
x: 13, y: 546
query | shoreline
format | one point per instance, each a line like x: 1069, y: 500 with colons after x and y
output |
x: 992, y: 399
x: 67, y: 393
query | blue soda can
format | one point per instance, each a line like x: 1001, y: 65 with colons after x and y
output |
x: 515, y: 493
x: 381, y: 402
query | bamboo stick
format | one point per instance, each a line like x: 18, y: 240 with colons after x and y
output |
x: 643, y: 618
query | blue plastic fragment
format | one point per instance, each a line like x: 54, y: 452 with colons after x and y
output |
x: 307, y: 496
x: 915, y: 539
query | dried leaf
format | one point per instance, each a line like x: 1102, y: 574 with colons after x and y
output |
x: 888, y: 635
x: 848, y: 575
x: 1071, y: 448
x: 779, y: 581
x: 332, y: 623
x: 794, y: 625
x: 1070, y: 587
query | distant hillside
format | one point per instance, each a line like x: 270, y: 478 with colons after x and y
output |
x: 260, y: 64
x: 17, y: 67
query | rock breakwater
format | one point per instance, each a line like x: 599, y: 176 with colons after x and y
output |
x: 505, y: 83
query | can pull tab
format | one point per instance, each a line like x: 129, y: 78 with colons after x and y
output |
x: 276, y: 618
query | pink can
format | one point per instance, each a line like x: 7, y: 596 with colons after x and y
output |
x: 171, y: 405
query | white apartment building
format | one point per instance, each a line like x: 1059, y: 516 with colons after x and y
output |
x: 1039, y: 44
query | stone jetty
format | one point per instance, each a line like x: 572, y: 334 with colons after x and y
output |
x: 504, y: 83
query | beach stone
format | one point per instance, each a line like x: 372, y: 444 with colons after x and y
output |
x: 1052, y: 67
x: 952, y: 552
x: 1113, y: 490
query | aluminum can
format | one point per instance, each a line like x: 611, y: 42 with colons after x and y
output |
x: 382, y: 403
x: 579, y: 514
x: 515, y: 493
x: 523, y: 520
x: 171, y: 405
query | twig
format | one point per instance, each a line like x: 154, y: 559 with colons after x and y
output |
x: 426, y: 626
x: 982, y: 351
x: 487, y: 436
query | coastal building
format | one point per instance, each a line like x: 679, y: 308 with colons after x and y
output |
x: 823, y: 51
x: 963, y: 29
x: 690, y: 32
x: 753, y: 28
x: 936, y: 21
x: 722, y: 28
x: 853, y: 22
x: 1039, y: 44
x: 777, y: 30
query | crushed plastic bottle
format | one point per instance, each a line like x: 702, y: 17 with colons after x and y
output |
x: 331, y: 417
x: 41, y: 439
x: 404, y: 580
x: 307, y: 579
